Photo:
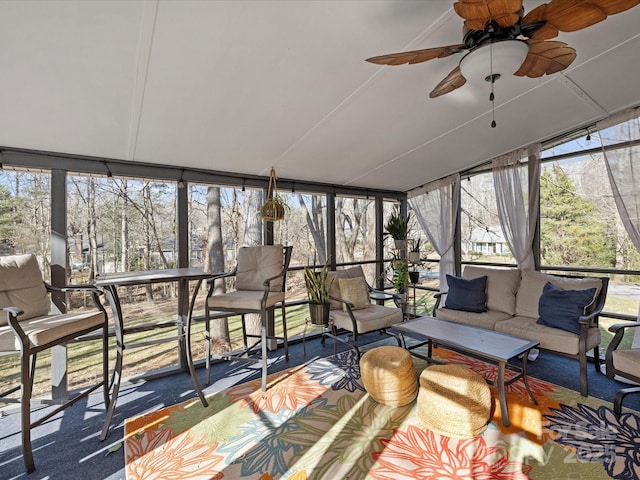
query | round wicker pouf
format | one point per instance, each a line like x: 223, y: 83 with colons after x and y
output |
x: 388, y: 375
x: 454, y: 401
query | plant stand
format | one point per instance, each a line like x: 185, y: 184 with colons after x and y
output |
x: 411, y: 302
x: 325, y: 332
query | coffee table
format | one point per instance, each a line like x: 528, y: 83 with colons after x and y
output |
x: 487, y: 345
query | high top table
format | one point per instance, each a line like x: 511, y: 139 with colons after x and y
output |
x: 487, y: 345
x: 110, y: 283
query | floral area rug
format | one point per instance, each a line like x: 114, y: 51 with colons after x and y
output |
x: 316, y: 421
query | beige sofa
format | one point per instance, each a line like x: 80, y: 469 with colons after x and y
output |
x: 512, y: 300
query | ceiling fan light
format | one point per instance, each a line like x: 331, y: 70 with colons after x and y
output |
x: 500, y: 58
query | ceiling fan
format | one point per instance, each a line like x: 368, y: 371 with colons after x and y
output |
x: 500, y: 39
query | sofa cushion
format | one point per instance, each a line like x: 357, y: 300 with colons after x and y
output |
x: 466, y: 295
x: 486, y: 319
x: 334, y: 286
x: 563, y: 308
x: 354, y: 290
x: 502, y: 286
x: 533, y: 282
x: 550, y: 338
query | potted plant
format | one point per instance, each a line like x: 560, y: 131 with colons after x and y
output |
x: 400, y: 277
x: 275, y: 206
x: 399, y: 274
x: 397, y: 227
x: 318, y: 293
x: 414, y: 253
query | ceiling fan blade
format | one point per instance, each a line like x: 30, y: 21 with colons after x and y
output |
x: 572, y: 15
x: 417, y: 56
x: 450, y: 83
x: 477, y: 13
x: 546, y: 57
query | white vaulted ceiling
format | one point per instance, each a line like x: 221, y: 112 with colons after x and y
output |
x: 241, y: 86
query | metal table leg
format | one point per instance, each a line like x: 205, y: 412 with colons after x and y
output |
x: 114, y: 301
x: 188, y: 355
x: 501, y: 394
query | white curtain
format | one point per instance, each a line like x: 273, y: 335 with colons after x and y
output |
x: 623, y: 170
x: 517, y: 200
x: 436, y: 208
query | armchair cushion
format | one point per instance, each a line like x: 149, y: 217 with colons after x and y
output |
x: 256, y: 264
x: 376, y: 317
x: 467, y: 295
x: 334, y: 286
x: 627, y: 361
x: 21, y: 286
x: 243, y: 300
x: 49, y: 328
x: 562, y: 309
x: 354, y: 290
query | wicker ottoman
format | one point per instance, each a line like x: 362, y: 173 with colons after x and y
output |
x: 454, y: 401
x: 388, y: 375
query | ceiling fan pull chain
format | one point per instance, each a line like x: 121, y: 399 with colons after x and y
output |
x: 493, y: 107
x: 492, y: 81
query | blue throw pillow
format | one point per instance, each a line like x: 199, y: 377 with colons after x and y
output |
x: 467, y: 295
x: 562, y: 308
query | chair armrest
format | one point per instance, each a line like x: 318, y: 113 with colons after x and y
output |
x: 619, y: 329
x: 15, y: 311
x: 382, y: 295
x: 14, y: 324
x: 219, y: 275
x: 590, y: 321
x: 438, y: 296
x: 267, y: 284
x: 74, y: 288
x: 267, y: 281
x: 622, y: 326
x: 349, y: 305
x: 346, y: 302
x: 81, y: 287
x: 338, y: 299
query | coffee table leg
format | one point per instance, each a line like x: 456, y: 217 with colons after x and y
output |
x: 403, y: 342
x: 524, y: 377
x: 501, y: 395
